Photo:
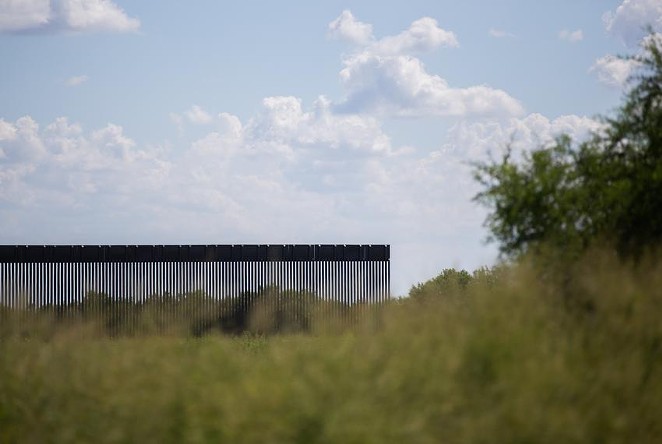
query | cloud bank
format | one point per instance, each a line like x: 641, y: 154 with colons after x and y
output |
x: 614, y: 71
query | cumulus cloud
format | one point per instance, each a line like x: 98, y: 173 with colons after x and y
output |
x: 26, y: 144
x: 385, y: 77
x: 422, y: 35
x: 614, y: 71
x: 630, y: 19
x: 571, y: 36
x: 64, y: 16
x: 346, y: 27
x: 198, y: 116
x: 400, y: 85
x: 474, y: 139
x: 283, y: 124
x: 230, y: 125
x: 281, y: 147
x: 17, y: 15
x: 61, y: 165
x: 7, y: 130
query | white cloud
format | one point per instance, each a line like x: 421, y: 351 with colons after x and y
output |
x: 230, y: 125
x: 281, y: 117
x: 500, y: 33
x: 400, y: 85
x: 111, y: 140
x: 631, y: 18
x: 97, y: 15
x: 384, y: 77
x: 571, y: 36
x: 282, y: 140
x: 346, y: 27
x: 63, y: 16
x: 61, y: 127
x: 283, y: 127
x: 76, y: 80
x: 422, y: 35
x: 16, y: 15
x: 198, y: 116
x: 287, y: 174
x: 7, y: 130
x: 613, y: 71
x: 27, y: 145
x: 474, y: 139
x: 86, y: 180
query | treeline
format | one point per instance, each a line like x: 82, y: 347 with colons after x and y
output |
x: 267, y: 311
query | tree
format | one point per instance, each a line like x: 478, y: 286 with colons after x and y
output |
x: 452, y: 283
x: 448, y: 282
x: 607, y: 189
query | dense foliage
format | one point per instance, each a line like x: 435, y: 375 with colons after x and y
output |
x: 452, y: 283
x: 607, y: 189
x: 266, y: 311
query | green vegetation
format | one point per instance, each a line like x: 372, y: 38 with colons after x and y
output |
x: 498, y: 361
x: 267, y: 311
x: 452, y: 283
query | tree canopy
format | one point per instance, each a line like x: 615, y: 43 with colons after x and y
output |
x: 569, y: 195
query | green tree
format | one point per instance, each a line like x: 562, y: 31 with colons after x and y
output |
x: 606, y: 189
x: 449, y: 282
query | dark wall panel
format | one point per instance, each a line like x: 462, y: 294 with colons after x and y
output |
x: 190, y: 253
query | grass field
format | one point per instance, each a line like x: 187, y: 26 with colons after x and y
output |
x: 525, y: 359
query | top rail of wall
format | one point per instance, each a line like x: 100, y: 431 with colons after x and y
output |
x: 190, y: 253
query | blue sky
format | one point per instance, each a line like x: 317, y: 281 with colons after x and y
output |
x: 291, y: 121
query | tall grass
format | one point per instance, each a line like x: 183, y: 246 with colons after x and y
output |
x: 505, y: 360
